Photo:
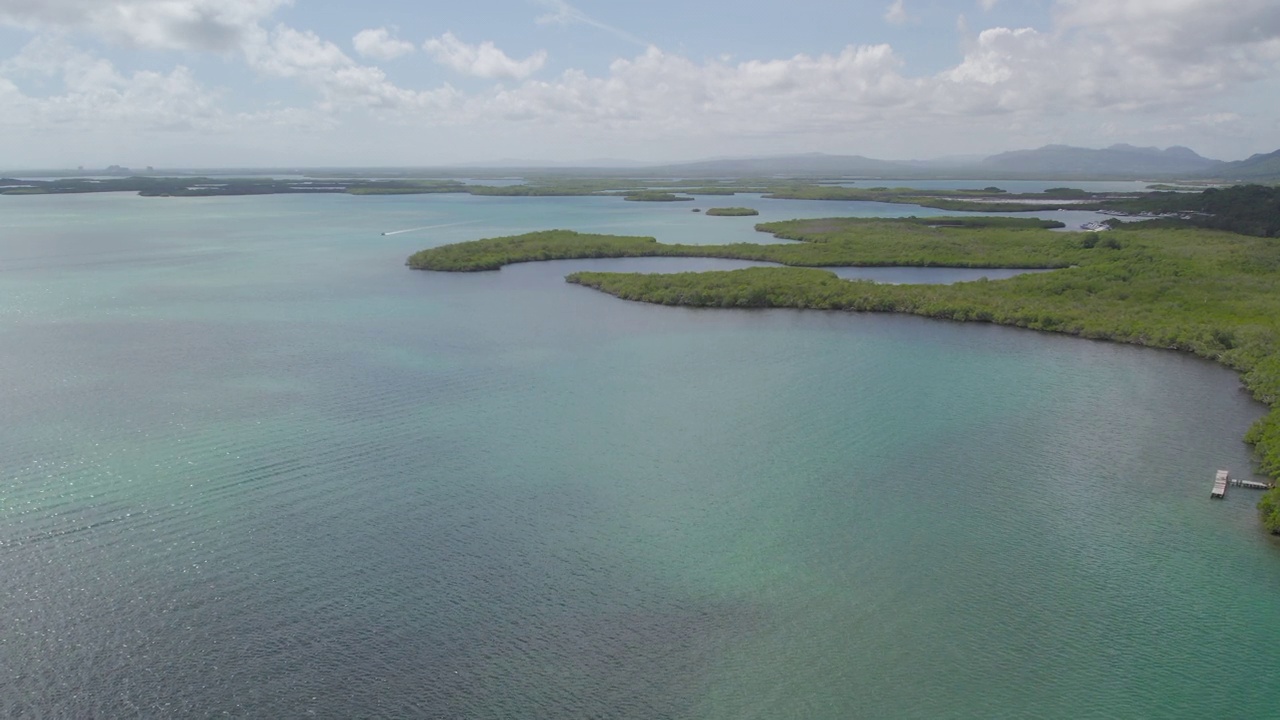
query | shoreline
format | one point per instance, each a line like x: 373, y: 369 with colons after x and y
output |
x: 1207, y: 293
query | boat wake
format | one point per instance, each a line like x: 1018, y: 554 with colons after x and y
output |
x: 429, y: 227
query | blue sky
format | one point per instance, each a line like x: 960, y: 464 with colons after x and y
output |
x: 175, y: 83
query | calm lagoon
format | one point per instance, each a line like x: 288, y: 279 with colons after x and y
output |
x: 252, y: 465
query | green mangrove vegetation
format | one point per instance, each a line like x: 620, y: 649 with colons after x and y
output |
x: 732, y: 211
x: 655, y: 196
x: 719, y: 190
x: 189, y: 186
x: 948, y: 242
x: 148, y: 186
x: 493, y: 253
x: 1249, y: 209
x: 639, y: 189
x: 1212, y: 293
x: 991, y: 199
x: 1246, y: 209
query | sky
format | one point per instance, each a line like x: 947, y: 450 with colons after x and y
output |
x: 270, y: 83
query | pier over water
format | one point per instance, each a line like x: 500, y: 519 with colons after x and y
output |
x: 1223, y: 479
x: 1219, y: 490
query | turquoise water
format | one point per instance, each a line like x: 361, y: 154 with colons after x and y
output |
x: 251, y: 465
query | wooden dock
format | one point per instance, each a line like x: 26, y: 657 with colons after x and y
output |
x: 1251, y: 484
x: 1219, y: 490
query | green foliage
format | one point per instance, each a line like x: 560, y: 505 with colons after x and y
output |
x: 493, y: 253
x: 655, y: 196
x: 711, y: 191
x: 1245, y: 209
x: 1269, y: 507
x: 199, y: 186
x: 802, y: 229
x: 402, y: 189
x: 990, y: 199
x: 954, y: 242
x: 1248, y: 209
x: 1176, y: 188
x: 732, y: 211
x: 776, y: 287
x: 204, y: 187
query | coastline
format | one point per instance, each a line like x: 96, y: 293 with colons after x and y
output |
x: 1188, y: 290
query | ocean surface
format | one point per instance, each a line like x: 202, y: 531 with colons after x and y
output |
x: 252, y: 466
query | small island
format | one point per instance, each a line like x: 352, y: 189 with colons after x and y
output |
x: 731, y: 211
x: 655, y: 196
x: 1244, y: 209
x: 942, y: 242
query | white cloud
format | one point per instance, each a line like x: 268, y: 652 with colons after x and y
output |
x: 662, y: 90
x: 342, y: 82
x: 1217, y: 118
x: 223, y: 26
x: 483, y: 60
x: 203, y: 25
x: 1002, y: 71
x: 378, y: 43
x: 94, y: 93
x: 1248, y: 20
x: 896, y: 13
x: 1159, y: 66
x: 988, y: 5
x: 288, y: 53
x: 1117, y: 55
x: 1185, y: 33
x: 1033, y: 78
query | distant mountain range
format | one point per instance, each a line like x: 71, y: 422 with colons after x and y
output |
x: 1120, y: 162
x: 1259, y: 168
x: 807, y: 164
x: 1051, y: 162
x: 1117, y: 160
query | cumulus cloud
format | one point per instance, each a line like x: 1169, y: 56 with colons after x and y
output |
x: 1001, y: 71
x: 94, y: 93
x: 379, y: 44
x: 1248, y: 21
x: 203, y: 25
x: 483, y: 60
x: 659, y: 89
x: 1108, y: 59
x: 1030, y: 76
x: 229, y: 27
x: 342, y: 82
x: 896, y: 13
x: 1117, y: 55
x: 1183, y: 33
